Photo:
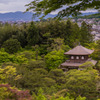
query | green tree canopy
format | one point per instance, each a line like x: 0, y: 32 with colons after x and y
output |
x: 54, y: 59
x: 86, y: 36
x: 11, y: 45
x: 33, y: 35
x: 82, y: 82
x: 71, y: 7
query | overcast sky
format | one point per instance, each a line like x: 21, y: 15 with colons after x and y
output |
x: 18, y: 5
x: 13, y: 5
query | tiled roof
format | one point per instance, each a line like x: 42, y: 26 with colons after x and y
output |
x: 77, y: 64
x: 71, y: 64
x: 79, y: 50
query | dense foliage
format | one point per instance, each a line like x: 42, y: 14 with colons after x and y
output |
x: 11, y: 45
x: 69, y: 7
x: 30, y: 56
x: 44, y: 34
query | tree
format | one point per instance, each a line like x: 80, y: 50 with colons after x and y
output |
x: 83, y: 83
x: 7, y: 73
x: 33, y: 35
x: 33, y: 79
x: 40, y: 95
x: 58, y: 76
x: 98, y: 66
x: 68, y: 36
x: 6, y: 32
x: 36, y: 64
x: 72, y: 7
x: 58, y: 44
x: 97, y: 50
x: 86, y: 36
x: 11, y: 45
x: 72, y: 33
x: 11, y: 93
x: 75, y: 37
x: 54, y: 59
x: 4, y: 57
x: 21, y: 37
x: 87, y: 65
x: 68, y: 98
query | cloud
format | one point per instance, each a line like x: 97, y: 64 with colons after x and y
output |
x: 13, y: 5
x: 89, y: 10
x: 10, y: 1
x: 6, y: 1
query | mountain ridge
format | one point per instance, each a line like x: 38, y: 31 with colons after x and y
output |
x: 21, y: 16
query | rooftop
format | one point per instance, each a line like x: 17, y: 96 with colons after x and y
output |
x: 67, y: 63
x: 79, y: 50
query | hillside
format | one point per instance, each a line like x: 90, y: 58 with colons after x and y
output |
x: 97, y: 15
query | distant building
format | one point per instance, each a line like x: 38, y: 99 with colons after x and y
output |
x: 77, y: 56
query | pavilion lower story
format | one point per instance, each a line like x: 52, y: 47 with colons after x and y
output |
x: 71, y: 65
x: 67, y: 66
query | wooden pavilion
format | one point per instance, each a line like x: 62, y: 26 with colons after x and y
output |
x: 77, y: 56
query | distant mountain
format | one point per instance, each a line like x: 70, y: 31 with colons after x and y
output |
x: 88, y: 13
x: 96, y: 15
x: 20, y: 16
x: 15, y: 16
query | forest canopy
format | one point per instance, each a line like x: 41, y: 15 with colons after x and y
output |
x: 30, y: 56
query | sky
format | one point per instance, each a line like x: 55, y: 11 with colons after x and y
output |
x: 89, y: 10
x: 13, y: 5
x: 19, y: 5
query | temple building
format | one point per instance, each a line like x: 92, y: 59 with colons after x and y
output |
x: 77, y: 56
